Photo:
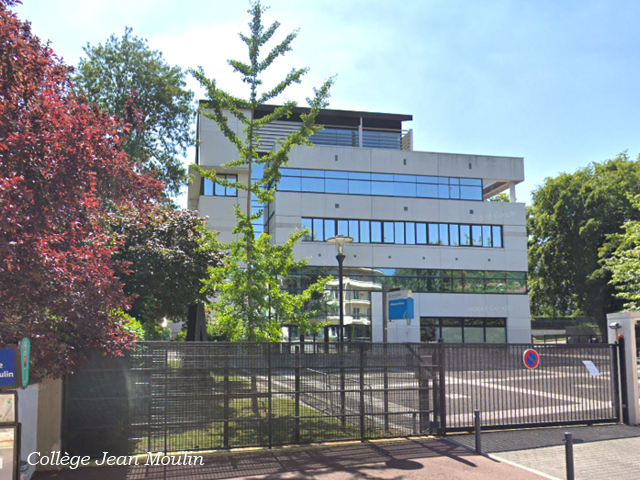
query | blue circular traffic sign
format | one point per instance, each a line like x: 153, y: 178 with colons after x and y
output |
x: 531, y: 358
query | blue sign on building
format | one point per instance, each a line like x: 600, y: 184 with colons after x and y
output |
x: 8, y: 371
x: 401, y: 309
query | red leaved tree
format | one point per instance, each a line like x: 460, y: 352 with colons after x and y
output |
x: 62, y: 172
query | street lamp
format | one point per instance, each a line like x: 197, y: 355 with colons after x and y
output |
x: 339, y: 241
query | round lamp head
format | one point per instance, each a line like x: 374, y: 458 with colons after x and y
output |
x: 339, y: 241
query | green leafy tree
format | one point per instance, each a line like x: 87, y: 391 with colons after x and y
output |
x: 167, y: 254
x: 250, y: 303
x: 622, y: 259
x: 569, y: 224
x: 501, y: 197
x: 126, y: 69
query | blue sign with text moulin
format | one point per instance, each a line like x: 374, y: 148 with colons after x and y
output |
x: 401, y: 309
x: 8, y: 372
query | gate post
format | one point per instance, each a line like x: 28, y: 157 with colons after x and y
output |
x: 624, y: 324
x: 441, y: 394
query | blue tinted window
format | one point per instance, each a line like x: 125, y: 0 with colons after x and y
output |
x: 312, y: 173
x: 497, y: 236
x: 343, y: 227
x: 376, y: 232
x: 470, y: 193
x: 454, y: 237
x: 423, y: 179
x: 404, y: 178
x: 444, y: 234
x: 354, y: 230
x: 308, y: 224
x: 382, y: 177
x: 329, y: 229
x: 359, y: 176
x: 404, y: 189
x: 388, y: 232
x: 454, y: 181
x: 289, y: 184
x: 336, y: 186
x: 465, y: 235
x: 421, y: 233
x: 454, y: 192
x: 434, y: 234
x: 312, y: 184
x: 292, y: 172
x: 318, y: 230
x: 207, y: 186
x: 335, y: 174
x: 360, y: 187
x: 471, y: 181
x: 426, y: 190
x: 382, y: 188
x: 219, y: 190
x: 410, y: 233
x: 365, y: 234
x: 399, y: 233
x: 486, y: 236
x: 443, y: 191
x: 476, y: 235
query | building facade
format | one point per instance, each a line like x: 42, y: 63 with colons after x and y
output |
x: 420, y: 221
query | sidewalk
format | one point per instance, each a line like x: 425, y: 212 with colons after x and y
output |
x: 609, y: 451
x: 395, y: 460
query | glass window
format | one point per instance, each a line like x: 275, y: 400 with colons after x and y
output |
x: 410, y: 233
x: 404, y: 189
x: 343, y: 227
x: 496, y: 335
x: 383, y: 177
x: 335, y: 174
x: 516, y: 282
x: 454, y: 237
x: 465, y: 235
x: 470, y: 193
x: 404, y: 178
x: 312, y: 173
x: 434, y: 235
x: 219, y: 190
x: 496, y: 236
x: 354, y: 230
x: 426, y: 179
x: 382, y: 188
x: 376, y: 232
x: 207, y: 187
x: 451, y: 330
x: 443, y: 191
x: 318, y: 230
x: 471, y: 181
x: 425, y: 190
x: 290, y: 184
x: 473, y: 334
x: 444, y: 234
x: 421, y: 233
x: 389, y: 232
x: 365, y: 234
x: 360, y: 187
x: 360, y: 175
x: 308, y: 224
x: 476, y: 235
x: 399, y: 233
x: 314, y: 185
x: 329, y: 229
x: 454, y: 192
x: 486, y: 236
x: 336, y: 186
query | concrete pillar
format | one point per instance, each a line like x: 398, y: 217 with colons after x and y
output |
x: 50, y: 416
x: 360, y: 133
x: 28, y: 418
x: 627, y: 322
x: 512, y: 192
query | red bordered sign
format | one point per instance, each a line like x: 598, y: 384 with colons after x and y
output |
x: 531, y: 359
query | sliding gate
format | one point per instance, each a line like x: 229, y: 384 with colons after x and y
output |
x: 179, y: 396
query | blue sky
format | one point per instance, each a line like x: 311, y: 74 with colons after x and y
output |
x: 555, y: 82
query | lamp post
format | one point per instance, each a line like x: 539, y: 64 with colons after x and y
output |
x: 339, y: 241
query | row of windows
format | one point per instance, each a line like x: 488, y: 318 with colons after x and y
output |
x: 417, y: 280
x: 404, y: 233
x: 381, y: 184
x: 208, y: 187
x: 463, y: 330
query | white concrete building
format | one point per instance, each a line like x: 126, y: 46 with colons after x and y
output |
x: 420, y: 221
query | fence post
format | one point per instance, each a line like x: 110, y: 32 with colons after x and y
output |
x: 296, y: 432
x: 166, y: 392
x: 568, y: 449
x: 423, y: 394
x: 442, y: 397
x: 343, y: 395
x: 477, y: 422
x: 386, y: 388
x: 623, y: 379
x: 615, y: 374
x: 362, y: 364
x: 227, y: 394
x: 269, y: 391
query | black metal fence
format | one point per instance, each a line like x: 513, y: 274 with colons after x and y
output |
x: 177, y: 396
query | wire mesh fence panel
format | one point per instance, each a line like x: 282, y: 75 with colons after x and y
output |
x: 562, y: 389
x: 188, y: 396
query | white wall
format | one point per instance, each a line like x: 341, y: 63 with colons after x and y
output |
x: 28, y: 417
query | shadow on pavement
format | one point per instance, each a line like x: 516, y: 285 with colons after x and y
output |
x: 347, y: 458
